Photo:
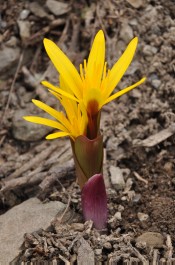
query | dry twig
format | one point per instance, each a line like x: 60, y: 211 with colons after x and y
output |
x: 12, y: 87
x: 169, y: 252
x: 140, y: 178
x: 33, y: 162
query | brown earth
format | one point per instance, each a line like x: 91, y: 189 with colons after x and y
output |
x: 138, y: 128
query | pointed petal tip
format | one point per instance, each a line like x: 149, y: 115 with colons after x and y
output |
x: 134, y: 41
x: 46, y: 41
x: 34, y: 101
x: 100, y: 35
x: 27, y: 118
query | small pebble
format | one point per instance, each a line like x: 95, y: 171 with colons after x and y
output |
x: 12, y: 42
x: 107, y: 245
x: 24, y: 14
x: 24, y: 29
x: 117, y: 179
x: 136, y: 198
x: 126, y: 33
x: 136, y: 3
x: 151, y: 239
x: 121, y: 208
x: 124, y: 198
x: 173, y: 181
x: 57, y: 8
x: 115, y: 246
x: 149, y: 50
x: 168, y: 167
x: 98, y: 251
x: 156, y: 83
x: 142, y: 216
x: 77, y: 226
x: 118, y: 216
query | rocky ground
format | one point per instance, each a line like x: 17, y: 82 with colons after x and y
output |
x: 138, y: 129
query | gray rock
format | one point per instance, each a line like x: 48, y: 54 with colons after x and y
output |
x: 133, y: 22
x: 85, y: 250
x: 98, y: 251
x: 8, y: 58
x: 28, y: 131
x: 149, y: 50
x: 26, y: 217
x: 142, y: 216
x: 12, y: 42
x: 126, y: 33
x: 136, y: 3
x: 118, y: 216
x: 57, y: 8
x: 135, y: 67
x: 24, y: 29
x: 156, y: 83
x: 24, y: 14
x: 117, y: 178
x: 137, y: 198
x: 37, y: 10
x: 151, y: 239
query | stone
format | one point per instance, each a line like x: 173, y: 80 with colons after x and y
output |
x: 12, y: 42
x: 57, y: 8
x: 136, y: 198
x: 136, y: 3
x: 26, y: 217
x: 118, y: 216
x: 117, y: 178
x: 149, y: 50
x: 156, y: 83
x: 142, y: 216
x: 85, y: 250
x: 152, y: 239
x: 37, y: 10
x: 133, y: 22
x: 126, y: 33
x: 24, y: 14
x: 121, y: 208
x: 98, y: 251
x: 28, y: 131
x: 24, y: 29
x: 107, y: 245
x: 8, y: 58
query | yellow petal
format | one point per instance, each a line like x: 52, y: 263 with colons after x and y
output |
x: 54, y: 113
x: 64, y: 85
x: 84, y: 119
x: 70, y: 106
x: 121, y: 66
x: 44, y: 121
x: 57, y: 135
x: 96, y: 60
x: 58, y: 90
x: 65, y: 67
x: 124, y: 91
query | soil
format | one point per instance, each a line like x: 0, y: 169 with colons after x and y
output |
x: 138, y: 129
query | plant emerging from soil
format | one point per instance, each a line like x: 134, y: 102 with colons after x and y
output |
x: 83, y: 95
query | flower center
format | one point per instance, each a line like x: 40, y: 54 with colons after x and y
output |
x: 92, y: 107
x: 93, y: 119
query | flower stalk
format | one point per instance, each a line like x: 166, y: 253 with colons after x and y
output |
x: 82, y: 95
x: 88, y: 157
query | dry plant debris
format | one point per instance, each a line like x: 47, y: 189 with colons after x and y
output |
x: 139, y: 135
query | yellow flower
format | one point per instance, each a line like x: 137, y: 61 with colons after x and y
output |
x: 83, y: 94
